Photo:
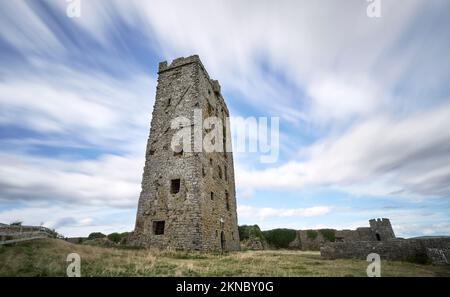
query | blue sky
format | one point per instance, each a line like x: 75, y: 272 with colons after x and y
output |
x: 364, y: 108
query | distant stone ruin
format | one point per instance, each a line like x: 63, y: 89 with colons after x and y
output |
x: 380, y: 239
x: 379, y: 230
x: 309, y: 240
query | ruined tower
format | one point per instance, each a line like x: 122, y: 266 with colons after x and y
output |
x: 188, y: 196
x: 382, y: 229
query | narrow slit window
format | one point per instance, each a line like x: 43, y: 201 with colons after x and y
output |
x: 219, y: 169
x: 227, y: 200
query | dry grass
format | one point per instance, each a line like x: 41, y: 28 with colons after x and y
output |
x: 48, y: 258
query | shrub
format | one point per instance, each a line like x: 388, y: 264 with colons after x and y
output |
x: 96, y: 235
x: 280, y: 238
x: 124, y: 237
x: 118, y: 237
x: 311, y: 234
x: 114, y: 237
x: 328, y: 234
x: 247, y: 232
x: 419, y: 258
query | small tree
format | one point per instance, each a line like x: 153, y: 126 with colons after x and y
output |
x: 328, y: 234
x: 280, y: 238
x: 95, y: 235
x: 311, y: 234
x: 115, y: 237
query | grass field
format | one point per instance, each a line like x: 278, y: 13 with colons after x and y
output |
x: 48, y: 258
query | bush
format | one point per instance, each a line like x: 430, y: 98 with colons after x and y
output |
x: 96, y: 235
x: 247, y: 232
x: 114, y: 237
x: 311, y: 234
x: 124, y: 237
x: 118, y: 237
x: 419, y: 258
x: 280, y: 238
x: 328, y: 234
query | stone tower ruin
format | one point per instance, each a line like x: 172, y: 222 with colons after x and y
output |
x: 188, y: 199
x: 382, y: 229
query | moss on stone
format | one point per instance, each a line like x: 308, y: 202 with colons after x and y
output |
x: 250, y: 232
x: 311, y: 234
x: 328, y: 234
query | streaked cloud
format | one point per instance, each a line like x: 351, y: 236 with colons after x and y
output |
x: 381, y: 156
x: 264, y: 213
x: 364, y: 104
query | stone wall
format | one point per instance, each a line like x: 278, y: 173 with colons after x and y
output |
x: 15, y: 229
x: 439, y: 256
x: 379, y: 230
x: 309, y: 240
x: 395, y: 249
x: 382, y: 229
x: 199, y: 212
x: 10, y: 232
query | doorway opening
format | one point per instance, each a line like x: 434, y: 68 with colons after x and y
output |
x: 222, y: 241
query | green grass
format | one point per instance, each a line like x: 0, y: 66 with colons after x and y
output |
x: 48, y: 258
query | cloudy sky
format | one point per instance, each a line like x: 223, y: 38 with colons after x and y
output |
x: 364, y: 108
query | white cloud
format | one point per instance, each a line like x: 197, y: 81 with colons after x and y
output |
x: 427, y: 229
x: 80, y: 108
x: 110, y: 181
x: 299, y: 41
x: 250, y: 47
x: 30, y: 35
x: 265, y: 213
x: 340, y: 100
x: 52, y: 110
x: 376, y: 157
x: 73, y: 221
x: 324, y: 56
x: 246, y: 193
